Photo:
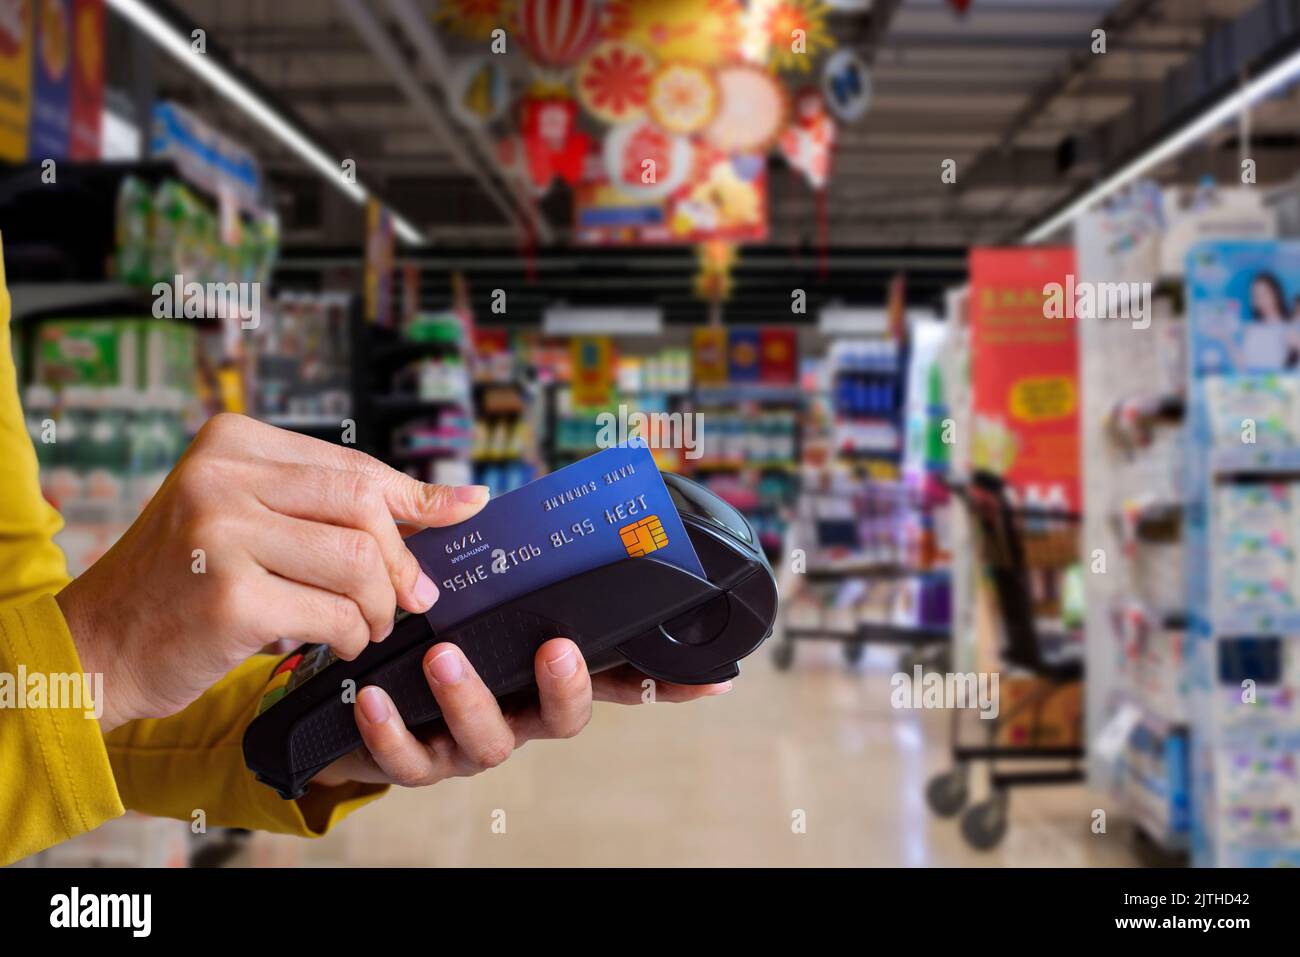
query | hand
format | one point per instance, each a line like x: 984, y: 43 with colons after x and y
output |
x: 479, y: 735
x: 257, y: 534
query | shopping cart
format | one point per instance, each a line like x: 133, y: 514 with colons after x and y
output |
x: 1025, y: 551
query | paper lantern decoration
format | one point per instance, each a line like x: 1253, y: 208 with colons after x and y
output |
x: 645, y: 161
x: 553, y: 144
x: 808, y: 142
x: 752, y: 110
x: 475, y: 19
x: 683, y: 97
x: 795, y: 32
x: 713, y: 283
x: 556, y: 33
x: 720, y: 201
x: 478, y: 91
x: 613, y: 81
x: 705, y: 32
x: 846, y: 83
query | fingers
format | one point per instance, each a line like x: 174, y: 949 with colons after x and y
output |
x: 350, y: 499
x: 399, y: 756
x: 482, y: 735
x: 626, y: 685
x: 304, y: 613
x: 345, y: 561
x: 563, y: 691
x: 408, y: 499
x: 420, y: 503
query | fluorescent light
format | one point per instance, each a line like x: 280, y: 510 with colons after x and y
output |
x: 596, y: 321
x: 1196, y: 128
x: 406, y: 232
x: 149, y: 22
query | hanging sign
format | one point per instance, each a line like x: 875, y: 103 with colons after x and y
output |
x: 709, y: 355
x: 593, y: 371
x: 707, y: 32
x: 846, y: 82
x: 557, y: 32
x: 478, y: 91
x: 87, y: 79
x: 16, y: 18
x: 752, y: 112
x: 683, y: 97
x: 778, y: 355
x: 553, y: 144
x: 808, y: 141
x: 51, y: 80
x: 1025, y: 374
x: 646, y: 162
x: 744, y: 355
x: 613, y: 81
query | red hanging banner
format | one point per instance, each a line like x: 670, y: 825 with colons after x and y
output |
x: 1024, y: 375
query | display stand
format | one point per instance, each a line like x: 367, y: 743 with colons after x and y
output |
x: 1132, y: 375
x: 1243, y: 466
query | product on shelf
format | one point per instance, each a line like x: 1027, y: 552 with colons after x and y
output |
x: 107, y: 413
x: 303, y: 353
x: 171, y: 231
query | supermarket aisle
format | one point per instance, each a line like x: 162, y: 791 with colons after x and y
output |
x: 717, y: 784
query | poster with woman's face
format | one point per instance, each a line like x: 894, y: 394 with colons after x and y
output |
x: 1243, y: 301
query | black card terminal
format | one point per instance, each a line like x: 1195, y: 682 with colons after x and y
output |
x: 668, y: 623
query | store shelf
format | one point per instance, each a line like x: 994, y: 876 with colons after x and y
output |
x: 870, y: 633
x: 391, y: 407
x: 739, y: 465
x: 734, y: 394
x: 878, y: 571
x: 1262, y: 461
x: 388, y: 355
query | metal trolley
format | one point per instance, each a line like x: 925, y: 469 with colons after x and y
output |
x: 1023, y: 550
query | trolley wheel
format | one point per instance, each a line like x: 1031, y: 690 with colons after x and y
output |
x: 853, y: 651
x: 984, y: 825
x: 947, y: 793
x: 783, y: 655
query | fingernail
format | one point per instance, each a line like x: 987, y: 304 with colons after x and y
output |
x: 471, y: 494
x: 373, y: 705
x: 720, y: 689
x: 446, y: 667
x: 564, y: 665
x: 426, y: 592
x: 389, y: 630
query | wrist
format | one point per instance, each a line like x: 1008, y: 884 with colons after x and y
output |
x: 95, y: 659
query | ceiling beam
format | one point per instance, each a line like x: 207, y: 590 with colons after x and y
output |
x: 376, y: 37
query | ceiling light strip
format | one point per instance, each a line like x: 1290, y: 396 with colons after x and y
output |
x: 166, y: 36
x: 1240, y: 99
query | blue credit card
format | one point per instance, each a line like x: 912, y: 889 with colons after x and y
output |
x: 608, y: 507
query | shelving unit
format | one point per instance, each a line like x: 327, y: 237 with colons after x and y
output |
x: 1244, y: 607
x: 1134, y: 550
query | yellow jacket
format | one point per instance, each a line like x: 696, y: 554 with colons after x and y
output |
x: 61, y: 776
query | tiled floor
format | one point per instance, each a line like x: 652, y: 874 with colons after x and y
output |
x: 718, y: 782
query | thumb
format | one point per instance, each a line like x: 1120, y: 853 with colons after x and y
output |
x: 430, y: 505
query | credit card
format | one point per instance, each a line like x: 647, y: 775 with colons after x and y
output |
x: 610, y: 506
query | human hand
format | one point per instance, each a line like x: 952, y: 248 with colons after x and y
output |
x: 258, y: 534
x: 478, y: 733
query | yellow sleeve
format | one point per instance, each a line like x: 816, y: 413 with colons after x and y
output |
x: 172, y: 767
x: 30, y: 563
x: 59, y: 779
x: 57, y: 782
